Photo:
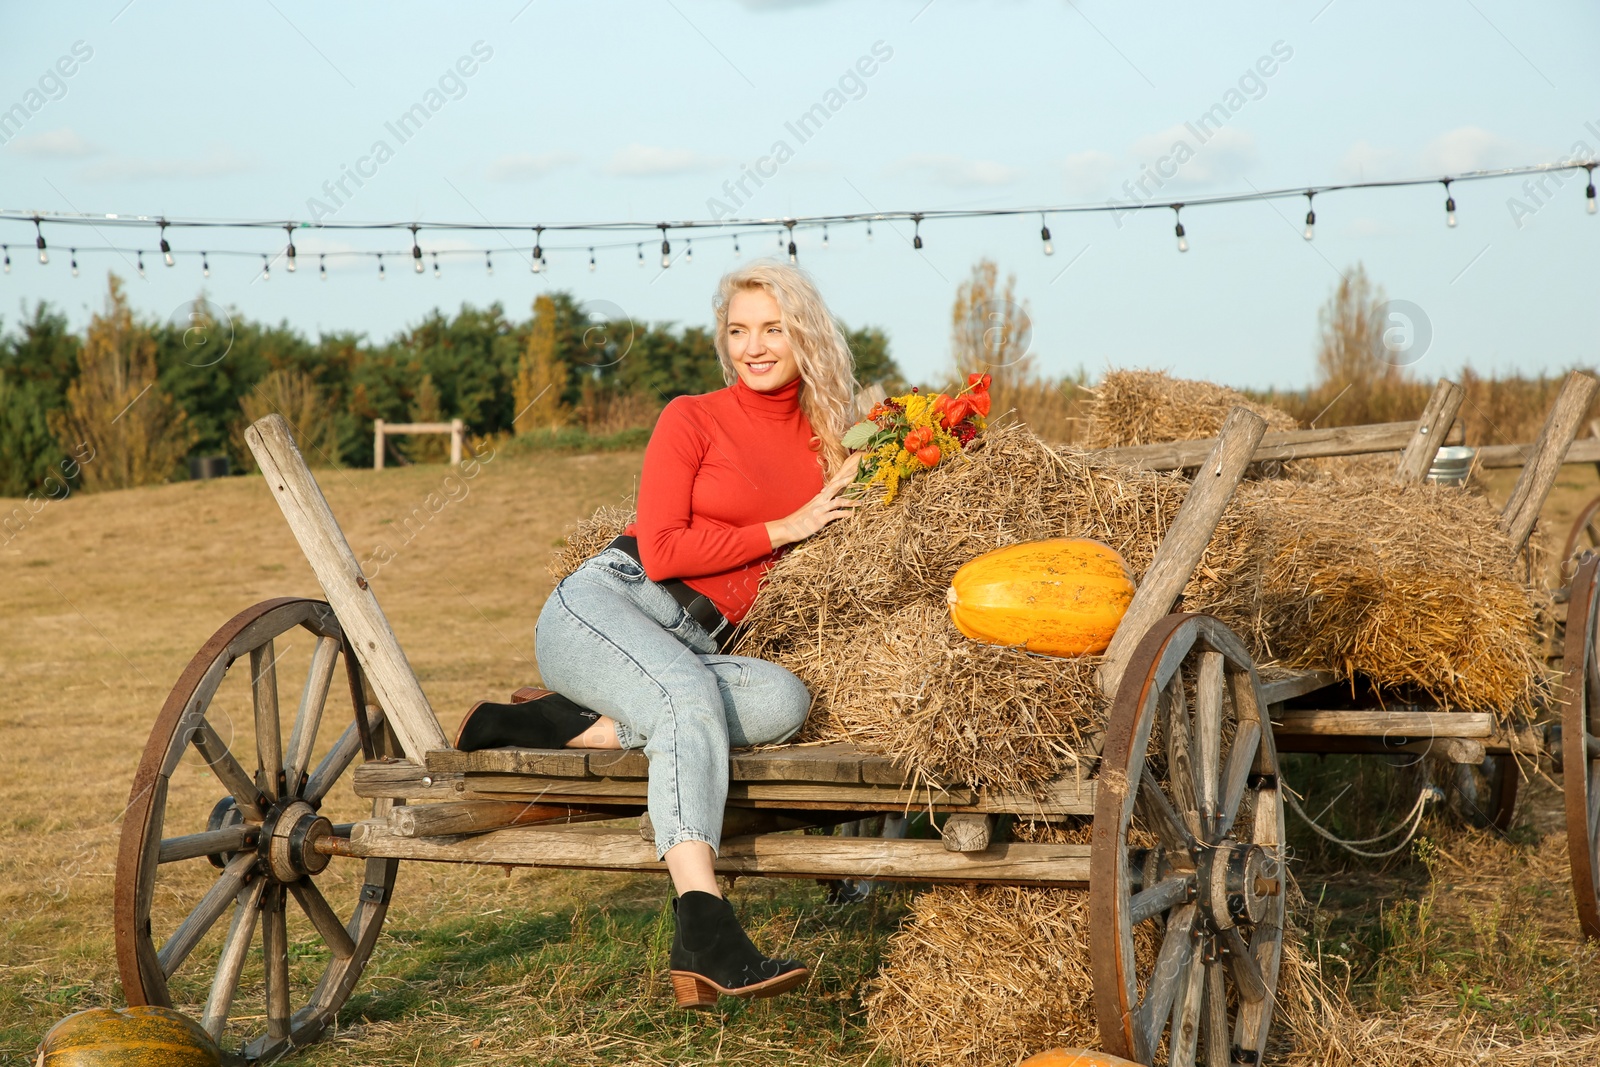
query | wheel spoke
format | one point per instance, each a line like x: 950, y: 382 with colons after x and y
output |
x: 1172, y: 963
x: 205, y: 913
x: 228, y: 771
x: 1161, y: 897
x: 264, y: 695
x: 1186, y: 1012
x: 1208, y: 740
x: 309, y: 716
x: 231, y: 963
x: 1175, y: 702
x: 1219, y: 1042
x: 332, y: 766
x: 275, y: 949
x: 1243, y: 966
x: 1158, y: 812
x: 209, y: 843
x: 322, y: 916
x: 1246, y: 743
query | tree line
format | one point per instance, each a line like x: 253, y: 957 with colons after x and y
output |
x: 145, y: 396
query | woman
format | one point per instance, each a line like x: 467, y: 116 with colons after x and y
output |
x: 731, y: 478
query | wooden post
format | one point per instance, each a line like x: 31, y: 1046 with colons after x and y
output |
x: 455, y: 442
x: 1539, y: 475
x: 377, y: 445
x: 1186, y: 539
x: 393, y: 682
x: 1435, y: 423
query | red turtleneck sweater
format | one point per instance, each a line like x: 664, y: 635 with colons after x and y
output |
x: 718, y: 468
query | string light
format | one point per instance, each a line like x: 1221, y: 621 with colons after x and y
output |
x: 1311, y: 217
x: 1044, y: 235
x: 416, y: 251
x: 666, y: 249
x: 288, y: 253
x: 381, y: 275
x: 793, y: 251
x: 166, y: 249
x: 205, y: 266
x: 591, y: 261
x: 436, y: 273
x: 736, y: 236
x: 916, y: 232
x: 824, y: 235
x: 38, y: 241
x: 780, y: 240
x: 538, y: 249
x: 322, y: 268
x: 139, y: 263
x: 640, y: 249
x: 1183, y: 240
x: 488, y: 265
x: 1449, y: 206
x: 869, y: 229
x: 74, y: 253
x: 688, y: 250
x: 1588, y: 192
x: 266, y: 267
x: 7, y: 251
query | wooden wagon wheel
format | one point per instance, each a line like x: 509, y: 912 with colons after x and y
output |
x: 1195, y: 775
x: 179, y: 869
x: 1583, y: 537
x: 1580, y: 744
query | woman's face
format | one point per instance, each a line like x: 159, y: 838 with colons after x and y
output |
x: 757, y: 342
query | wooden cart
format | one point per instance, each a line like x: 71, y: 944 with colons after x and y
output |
x: 1194, y: 855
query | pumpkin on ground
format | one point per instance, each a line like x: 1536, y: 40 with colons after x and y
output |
x: 128, y: 1037
x: 1063, y: 596
x: 1075, y: 1057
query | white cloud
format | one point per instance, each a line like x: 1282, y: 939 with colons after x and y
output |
x: 526, y: 166
x: 957, y: 171
x: 219, y: 161
x: 65, y: 143
x: 1224, y: 154
x: 1086, y: 173
x: 1468, y: 148
x: 642, y: 161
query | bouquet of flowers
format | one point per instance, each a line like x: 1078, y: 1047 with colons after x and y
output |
x: 904, y: 435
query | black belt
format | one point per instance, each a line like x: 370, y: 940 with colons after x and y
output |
x: 699, y: 606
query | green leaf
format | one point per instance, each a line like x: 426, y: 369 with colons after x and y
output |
x: 859, y: 435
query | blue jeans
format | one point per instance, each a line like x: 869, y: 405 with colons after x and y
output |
x: 615, y: 642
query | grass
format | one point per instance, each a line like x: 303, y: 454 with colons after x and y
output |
x: 107, y: 596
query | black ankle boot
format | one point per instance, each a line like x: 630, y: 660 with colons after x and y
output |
x: 548, y: 722
x: 712, y: 955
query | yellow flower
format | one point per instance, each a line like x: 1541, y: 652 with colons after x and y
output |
x: 916, y: 408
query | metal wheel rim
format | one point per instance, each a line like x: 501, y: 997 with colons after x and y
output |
x: 1581, y: 777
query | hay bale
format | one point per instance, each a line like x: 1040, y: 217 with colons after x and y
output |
x: 1140, y: 407
x: 1410, y: 587
x: 859, y: 612
x: 586, y: 538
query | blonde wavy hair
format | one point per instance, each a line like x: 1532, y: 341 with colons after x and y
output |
x: 827, y: 370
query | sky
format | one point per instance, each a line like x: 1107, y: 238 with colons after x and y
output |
x: 655, y: 110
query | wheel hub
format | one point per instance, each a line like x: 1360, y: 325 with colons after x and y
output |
x: 1237, y: 882
x: 288, y: 841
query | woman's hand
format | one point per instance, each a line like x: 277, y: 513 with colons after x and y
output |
x: 820, y: 509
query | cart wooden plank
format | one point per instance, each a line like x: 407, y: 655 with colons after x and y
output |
x: 1389, y: 724
x: 1282, y: 445
x: 841, y: 764
x: 784, y: 855
x: 1278, y: 686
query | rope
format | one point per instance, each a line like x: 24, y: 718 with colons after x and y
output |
x: 1411, y: 823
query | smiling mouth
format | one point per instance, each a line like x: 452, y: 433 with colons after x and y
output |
x: 761, y: 368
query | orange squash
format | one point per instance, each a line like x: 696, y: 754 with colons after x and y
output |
x: 128, y: 1037
x: 1075, y: 1057
x: 1063, y: 597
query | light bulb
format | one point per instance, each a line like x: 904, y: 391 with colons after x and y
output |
x: 38, y: 241
x: 591, y: 260
x: 793, y: 256
x: 916, y: 232
x: 688, y: 251
x: 537, y: 264
x: 824, y: 235
x: 869, y: 229
x: 1049, y: 246
x: 138, y: 263
x: 436, y: 273
x: 266, y: 269
x: 1311, y: 224
x: 44, y: 256
x: 381, y: 275
x: 1449, y: 207
x: 166, y: 252
x: 640, y: 250
x: 289, y: 254
x: 1589, y: 197
x: 736, y: 236
x: 666, y: 252
x: 8, y: 259
x: 205, y: 266
x: 1183, y: 241
x: 416, y: 260
x: 488, y: 265
x: 322, y: 268
x: 74, y: 253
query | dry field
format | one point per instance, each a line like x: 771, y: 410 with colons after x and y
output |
x: 103, y: 599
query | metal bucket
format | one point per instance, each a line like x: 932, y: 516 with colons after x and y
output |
x: 1451, y: 465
